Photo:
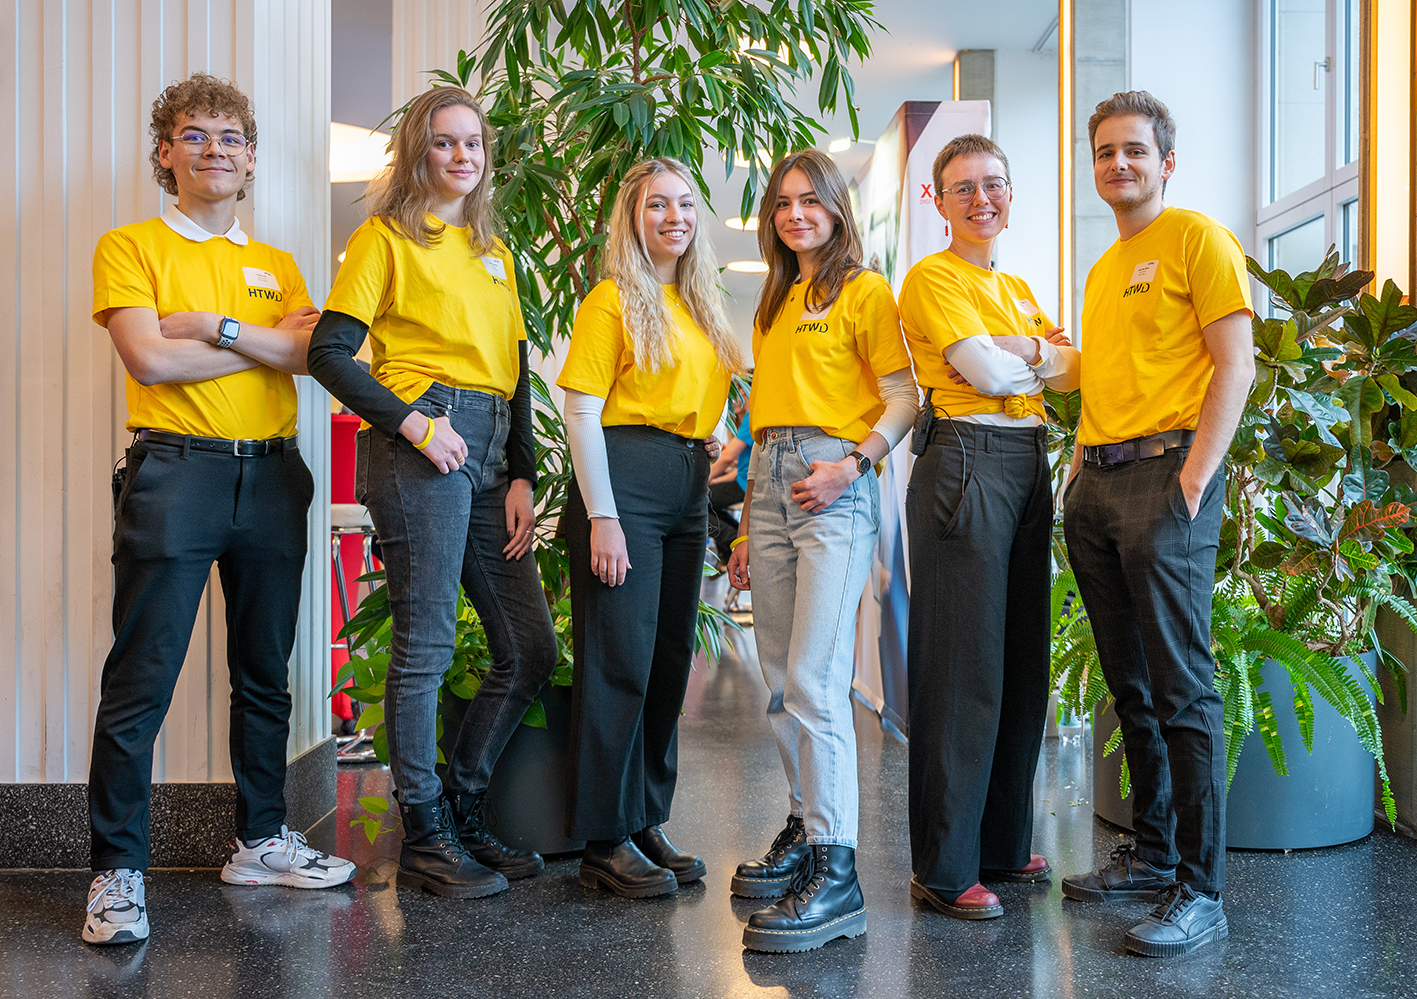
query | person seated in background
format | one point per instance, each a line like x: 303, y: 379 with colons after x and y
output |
x: 210, y: 326
x: 728, y: 482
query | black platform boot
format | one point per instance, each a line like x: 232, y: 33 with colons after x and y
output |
x: 822, y: 903
x: 620, y: 866
x: 770, y: 876
x: 662, y: 853
x: 470, y: 811
x: 432, y: 857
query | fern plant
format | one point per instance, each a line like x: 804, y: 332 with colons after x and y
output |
x: 1316, y: 537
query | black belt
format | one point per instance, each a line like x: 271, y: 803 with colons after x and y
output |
x: 1152, y: 446
x: 240, y: 448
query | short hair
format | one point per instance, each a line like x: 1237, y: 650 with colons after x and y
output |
x: 195, y: 96
x: 1135, y: 104
x: 964, y: 145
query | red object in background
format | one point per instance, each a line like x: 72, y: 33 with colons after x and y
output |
x: 342, y: 430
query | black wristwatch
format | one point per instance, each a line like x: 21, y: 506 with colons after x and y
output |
x: 863, y: 463
x: 227, y: 331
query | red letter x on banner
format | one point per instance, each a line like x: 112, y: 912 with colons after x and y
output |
x: 925, y: 192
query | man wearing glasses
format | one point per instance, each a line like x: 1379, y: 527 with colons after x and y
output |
x: 1168, y: 358
x: 210, y: 326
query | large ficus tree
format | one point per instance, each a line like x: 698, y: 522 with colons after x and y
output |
x: 580, y: 91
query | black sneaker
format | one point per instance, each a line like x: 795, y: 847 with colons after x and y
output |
x: 1125, y: 878
x: 1184, y: 921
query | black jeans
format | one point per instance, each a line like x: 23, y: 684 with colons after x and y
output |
x: 980, y: 514
x: 723, y: 525
x: 1146, y: 572
x: 175, y: 515
x: 435, y: 531
x: 634, y: 643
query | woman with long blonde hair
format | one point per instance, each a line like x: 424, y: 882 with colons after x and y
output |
x: 646, y: 381
x: 832, y: 394
x: 446, y: 465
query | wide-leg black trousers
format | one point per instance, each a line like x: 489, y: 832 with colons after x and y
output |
x: 634, y: 643
x: 980, y: 513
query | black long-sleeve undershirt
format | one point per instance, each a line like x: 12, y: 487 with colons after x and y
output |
x: 337, y: 338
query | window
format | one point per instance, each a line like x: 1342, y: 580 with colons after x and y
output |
x: 1309, y: 182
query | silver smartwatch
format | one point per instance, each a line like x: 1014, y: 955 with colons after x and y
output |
x: 227, y: 331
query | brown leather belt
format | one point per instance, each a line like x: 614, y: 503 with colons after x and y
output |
x: 1151, y: 446
x: 240, y: 448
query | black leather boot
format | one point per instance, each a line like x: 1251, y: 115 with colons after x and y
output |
x: 662, y: 853
x: 432, y: 857
x: 470, y: 811
x: 822, y: 903
x: 770, y: 876
x: 620, y: 866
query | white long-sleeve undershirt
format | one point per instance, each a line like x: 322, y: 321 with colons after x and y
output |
x: 997, y: 372
x: 902, y: 399
x: 586, y: 440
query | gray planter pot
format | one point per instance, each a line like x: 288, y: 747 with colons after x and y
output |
x: 527, y: 797
x: 1326, y: 800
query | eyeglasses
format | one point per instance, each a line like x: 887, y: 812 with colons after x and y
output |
x: 994, y: 188
x: 198, y: 141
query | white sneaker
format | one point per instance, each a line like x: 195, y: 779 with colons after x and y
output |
x: 117, y: 909
x: 285, y: 860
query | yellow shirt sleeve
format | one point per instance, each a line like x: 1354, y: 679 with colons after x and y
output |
x: 292, y: 283
x: 878, y: 337
x: 597, y: 350
x: 363, y: 286
x: 1215, y: 266
x: 120, y: 281
x: 940, y: 307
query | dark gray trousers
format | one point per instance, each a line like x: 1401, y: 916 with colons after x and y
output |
x: 980, y: 513
x: 1146, y: 572
x: 634, y: 643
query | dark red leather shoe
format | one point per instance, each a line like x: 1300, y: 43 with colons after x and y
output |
x: 977, y: 902
x: 1036, y: 869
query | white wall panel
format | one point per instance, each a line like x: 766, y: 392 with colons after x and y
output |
x: 76, y: 95
x: 428, y: 35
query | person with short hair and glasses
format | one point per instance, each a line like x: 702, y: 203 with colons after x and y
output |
x: 979, y: 512
x: 1167, y: 363
x: 210, y: 326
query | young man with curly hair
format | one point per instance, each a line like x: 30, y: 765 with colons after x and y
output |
x: 210, y: 325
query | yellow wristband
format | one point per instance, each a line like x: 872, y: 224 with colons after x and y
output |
x: 427, y: 438
x: 733, y: 545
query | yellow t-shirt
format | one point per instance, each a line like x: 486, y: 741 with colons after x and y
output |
x: 1145, y: 364
x: 435, y: 314
x: 945, y: 299
x: 822, y: 372
x: 149, y: 265
x: 684, y: 398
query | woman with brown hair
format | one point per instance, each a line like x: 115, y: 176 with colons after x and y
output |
x: 646, y: 382
x: 446, y: 464
x: 832, y: 394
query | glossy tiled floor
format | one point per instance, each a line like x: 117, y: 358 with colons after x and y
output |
x: 1338, y: 922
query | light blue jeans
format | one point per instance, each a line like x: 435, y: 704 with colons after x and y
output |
x: 808, y: 572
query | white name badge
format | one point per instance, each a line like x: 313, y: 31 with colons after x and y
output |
x: 1026, y: 307
x: 257, y: 278
x: 1144, y: 272
x: 495, y: 267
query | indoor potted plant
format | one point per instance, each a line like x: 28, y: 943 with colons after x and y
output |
x: 1316, y: 540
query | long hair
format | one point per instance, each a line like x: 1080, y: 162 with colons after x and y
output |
x: 651, y: 329
x: 402, y: 193
x: 840, y: 259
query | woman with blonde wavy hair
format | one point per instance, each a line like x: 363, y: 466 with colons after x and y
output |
x: 646, y: 381
x: 832, y: 394
x: 446, y: 465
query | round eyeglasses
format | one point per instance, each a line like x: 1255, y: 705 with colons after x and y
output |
x: 198, y: 141
x: 994, y: 188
